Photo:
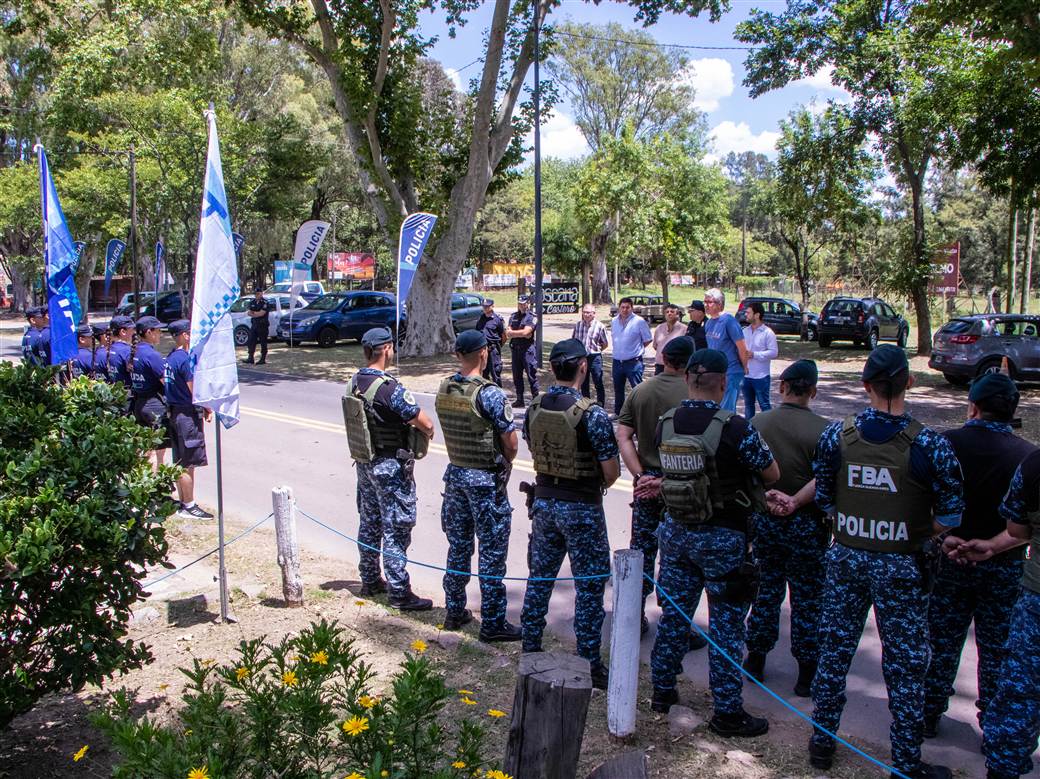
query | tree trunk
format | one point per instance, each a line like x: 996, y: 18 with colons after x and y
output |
x: 585, y: 269
x: 84, y: 273
x: 1012, y: 252
x: 662, y: 276
x: 1027, y: 272
x: 600, y: 277
x: 919, y: 289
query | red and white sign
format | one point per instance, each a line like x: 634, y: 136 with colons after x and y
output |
x: 946, y: 270
x: 355, y: 265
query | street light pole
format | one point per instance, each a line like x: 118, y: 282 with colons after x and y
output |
x: 537, y: 191
x: 133, y: 231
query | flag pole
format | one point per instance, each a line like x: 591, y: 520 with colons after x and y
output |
x: 225, y: 617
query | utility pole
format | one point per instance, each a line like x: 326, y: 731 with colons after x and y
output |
x: 537, y: 191
x: 133, y: 230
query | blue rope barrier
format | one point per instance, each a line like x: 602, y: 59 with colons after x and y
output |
x: 882, y: 765
x: 173, y: 573
x: 451, y: 570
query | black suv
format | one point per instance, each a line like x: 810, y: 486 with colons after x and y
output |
x: 864, y: 321
x: 783, y: 316
x: 166, y: 307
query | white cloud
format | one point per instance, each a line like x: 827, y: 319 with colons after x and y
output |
x: 456, y: 78
x: 819, y: 80
x: 711, y: 79
x: 561, y: 138
x: 728, y: 136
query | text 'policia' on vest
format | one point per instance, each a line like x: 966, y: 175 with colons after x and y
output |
x: 373, y: 429
x: 469, y: 438
x: 563, y: 457
x: 879, y: 506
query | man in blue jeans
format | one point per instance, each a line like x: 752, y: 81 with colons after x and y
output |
x: 725, y: 335
x: 631, y: 335
x: 762, y: 349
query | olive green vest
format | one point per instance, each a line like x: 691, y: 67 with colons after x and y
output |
x: 880, y: 506
x: 792, y: 433
x: 367, y: 436
x: 470, y: 438
x: 1031, y: 572
x: 690, y: 488
x: 553, y: 439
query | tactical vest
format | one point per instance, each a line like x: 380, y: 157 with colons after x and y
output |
x: 564, y: 461
x: 469, y: 437
x: 368, y: 435
x: 792, y: 433
x: 880, y: 506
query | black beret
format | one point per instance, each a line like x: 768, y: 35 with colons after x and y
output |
x: 707, y: 361
x: 121, y: 323
x: 885, y: 362
x: 148, y: 323
x: 569, y: 349
x: 469, y: 341
x: 84, y: 331
x: 180, y: 326
x: 698, y: 305
x: 377, y: 336
x: 679, y: 348
x: 993, y: 385
x: 801, y: 370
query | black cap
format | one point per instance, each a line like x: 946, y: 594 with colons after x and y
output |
x: 697, y: 305
x: 801, y: 370
x: 487, y: 302
x: 707, y: 361
x: 885, y: 362
x: 35, y: 311
x: 180, y: 326
x: 84, y: 331
x: 121, y: 323
x: 469, y: 341
x: 99, y: 331
x: 567, y: 350
x: 148, y: 323
x: 993, y: 385
x: 377, y: 336
x: 679, y: 349
x: 523, y: 299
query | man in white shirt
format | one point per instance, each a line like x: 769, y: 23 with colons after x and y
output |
x: 665, y: 332
x: 630, y: 334
x: 762, y: 349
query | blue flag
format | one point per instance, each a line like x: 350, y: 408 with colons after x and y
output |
x: 160, y: 267
x: 59, y: 258
x: 237, y: 240
x: 113, y: 254
x: 415, y: 232
x: 80, y: 246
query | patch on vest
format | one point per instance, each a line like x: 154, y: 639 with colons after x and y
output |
x: 683, y: 463
x: 409, y: 398
x: 876, y: 530
x: 871, y: 477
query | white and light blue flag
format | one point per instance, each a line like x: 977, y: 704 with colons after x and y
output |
x: 415, y: 232
x: 60, y: 258
x: 216, y: 288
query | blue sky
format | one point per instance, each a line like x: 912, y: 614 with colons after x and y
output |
x: 737, y: 122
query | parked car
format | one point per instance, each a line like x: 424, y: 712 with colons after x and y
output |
x: 277, y: 307
x: 864, y: 321
x: 650, y: 307
x: 465, y: 310
x: 166, y: 307
x: 970, y: 346
x: 340, y: 315
x: 782, y: 315
x: 308, y: 290
x: 128, y: 300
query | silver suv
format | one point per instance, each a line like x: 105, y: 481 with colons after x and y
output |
x: 970, y: 346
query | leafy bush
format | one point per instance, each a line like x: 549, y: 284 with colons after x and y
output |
x: 79, y: 514
x: 301, y: 708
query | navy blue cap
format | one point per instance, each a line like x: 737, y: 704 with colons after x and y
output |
x: 180, y: 326
x: 121, y: 323
x: 377, y: 336
x: 992, y: 385
x: 569, y: 349
x: 885, y: 362
x: 801, y: 370
x: 469, y: 341
x: 487, y: 302
x: 99, y: 331
x: 523, y: 299
x: 697, y: 305
x: 148, y: 323
x: 679, y: 349
x: 707, y: 361
x: 35, y: 311
x: 84, y: 331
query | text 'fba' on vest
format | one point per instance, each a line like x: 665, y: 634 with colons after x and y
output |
x: 877, y: 530
x: 871, y: 477
x: 686, y: 463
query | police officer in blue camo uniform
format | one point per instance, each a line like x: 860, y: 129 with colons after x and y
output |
x: 36, y: 342
x: 85, y: 362
x: 1011, y: 723
x: 493, y: 326
x: 522, y: 324
x: 889, y: 484
x: 148, y: 383
x: 791, y: 538
x: 385, y: 484
x: 979, y: 590
x: 714, y: 464
x: 575, y: 458
x: 480, y: 436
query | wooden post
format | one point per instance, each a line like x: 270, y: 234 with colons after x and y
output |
x: 288, y: 546
x: 549, y: 710
x: 627, y: 584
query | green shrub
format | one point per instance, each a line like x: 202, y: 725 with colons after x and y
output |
x: 301, y: 708
x: 79, y: 514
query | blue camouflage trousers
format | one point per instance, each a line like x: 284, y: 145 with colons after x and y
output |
x: 692, y: 559
x: 857, y: 579
x: 386, y: 508
x: 647, y: 514
x: 578, y: 530
x: 1011, y: 724
x: 789, y: 552
x: 483, y: 513
x: 985, y: 593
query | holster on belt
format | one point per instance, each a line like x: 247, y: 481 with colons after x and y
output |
x: 928, y: 560
x: 528, y: 489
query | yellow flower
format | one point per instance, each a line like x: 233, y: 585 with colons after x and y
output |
x: 466, y: 692
x: 419, y: 645
x: 321, y: 657
x: 384, y: 772
x: 209, y: 661
x: 496, y: 713
x: 355, y: 726
x: 367, y: 701
x: 389, y: 742
x: 163, y: 687
x: 458, y: 764
x: 241, y: 673
x: 187, y: 732
x: 496, y: 774
x: 359, y: 603
x: 199, y: 773
x: 79, y: 755
x: 468, y: 701
x: 353, y: 775
x: 289, y: 679
x: 440, y: 626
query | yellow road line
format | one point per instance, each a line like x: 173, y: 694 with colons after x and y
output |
x: 624, y: 485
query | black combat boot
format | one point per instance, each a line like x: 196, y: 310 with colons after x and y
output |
x: 755, y: 665
x: 991, y: 774
x: 456, y: 620
x: 368, y: 589
x: 927, y: 771
x: 806, y: 674
x: 600, y: 677
x: 697, y: 641
x: 820, y: 756
x: 504, y: 632
x: 663, y: 700
x: 931, y: 725
x: 738, y: 724
x: 409, y: 601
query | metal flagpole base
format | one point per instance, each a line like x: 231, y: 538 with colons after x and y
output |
x: 225, y: 614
